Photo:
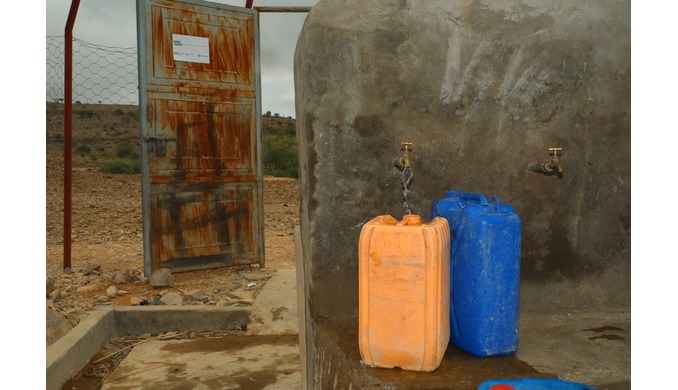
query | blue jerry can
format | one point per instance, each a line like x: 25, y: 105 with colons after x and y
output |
x: 485, y: 273
x: 532, y: 384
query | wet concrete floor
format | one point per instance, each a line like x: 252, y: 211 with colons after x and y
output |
x: 592, y: 348
x: 233, y: 362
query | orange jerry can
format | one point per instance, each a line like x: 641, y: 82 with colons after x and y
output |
x: 404, y: 292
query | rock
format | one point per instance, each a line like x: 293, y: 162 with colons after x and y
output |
x: 57, y: 326
x: 136, y: 300
x: 122, y: 292
x: 49, y: 285
x: 92, y: 269
x: 171, y: 299
x: 55, y: 294
x: 246, y: 302
x: 105, y: 278
x: 112, y: 291
x: 254, y: 277
x: 197, y: 295
x: 68, y: 271
x: 103, y: 298
x: 122, y: 277
x: 241, y: 293
x: 161, y: 278
x: 215, y: 291
x: 87, y: 289
x: 226, y: 301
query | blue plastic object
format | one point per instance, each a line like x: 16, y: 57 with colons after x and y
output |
x: 532, y: 384
x: 485, y: 273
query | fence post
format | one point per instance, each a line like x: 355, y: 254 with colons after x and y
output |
x: 68, y: 129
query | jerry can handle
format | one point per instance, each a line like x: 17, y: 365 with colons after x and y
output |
x: 474, y: 196
x: 495, y: 201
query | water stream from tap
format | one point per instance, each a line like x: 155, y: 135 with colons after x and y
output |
x: 407, y: 175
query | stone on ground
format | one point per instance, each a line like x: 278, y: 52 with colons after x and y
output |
x: 161, y: 278
x: 57, y: 326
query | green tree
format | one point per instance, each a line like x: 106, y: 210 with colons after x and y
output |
x: 280, y: 156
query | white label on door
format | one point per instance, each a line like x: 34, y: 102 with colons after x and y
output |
x: 191, y: 49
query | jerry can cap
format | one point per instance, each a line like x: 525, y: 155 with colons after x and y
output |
x: 410, y: 220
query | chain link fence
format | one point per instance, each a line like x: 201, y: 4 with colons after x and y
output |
x: 101, y: 74
x: 106, y: 206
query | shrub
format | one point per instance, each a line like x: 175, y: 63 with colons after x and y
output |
x: 121, y: 166
x: 280, y: 156
x: 118, y: 112
x: 84, y: 113
x: 83, y: 150
x: 123, y: 148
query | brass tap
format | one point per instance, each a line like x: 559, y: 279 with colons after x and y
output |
x: 553, y: 167
x: 555, y: 164
x: 404, y: 160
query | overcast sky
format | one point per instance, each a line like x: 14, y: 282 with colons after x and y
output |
x: 113, y: 23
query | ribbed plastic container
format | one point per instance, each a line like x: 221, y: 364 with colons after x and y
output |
x: 532, y: 384
x: 451, y: 206
x: 404, y: 286
x: 485, y: 255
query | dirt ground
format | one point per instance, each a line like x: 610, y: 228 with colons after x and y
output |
x: 107, y: 226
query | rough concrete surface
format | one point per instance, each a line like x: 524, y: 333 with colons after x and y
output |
x: 232, y: 362
x: 587, y: 347
x: 274, y: 311
x: 482, y: 89
x: 592, y: 348
x: 265, y: 358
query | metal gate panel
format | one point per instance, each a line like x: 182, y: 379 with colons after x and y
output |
x: 203, y: 138
x: 230, y: 31
x: 201, y: 135
x: 210, y: 225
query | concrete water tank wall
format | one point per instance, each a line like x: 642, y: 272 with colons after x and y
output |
x: 482, y: 89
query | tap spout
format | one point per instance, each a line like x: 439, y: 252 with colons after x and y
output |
x: 548, y: 168
x: 403, y: 161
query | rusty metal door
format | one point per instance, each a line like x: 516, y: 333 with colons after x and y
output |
x: 199, y: 94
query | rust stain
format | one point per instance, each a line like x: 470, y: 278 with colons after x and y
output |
x: 231, y: 45
x: 202, y: 151
x: 204, y: 224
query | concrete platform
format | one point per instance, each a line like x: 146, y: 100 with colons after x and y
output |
x: 232, y: 362
x: 266, y: 357
x: 587, y: 347
x: 593, y: 348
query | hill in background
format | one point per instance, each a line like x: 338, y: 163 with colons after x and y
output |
x: 108, y: 134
